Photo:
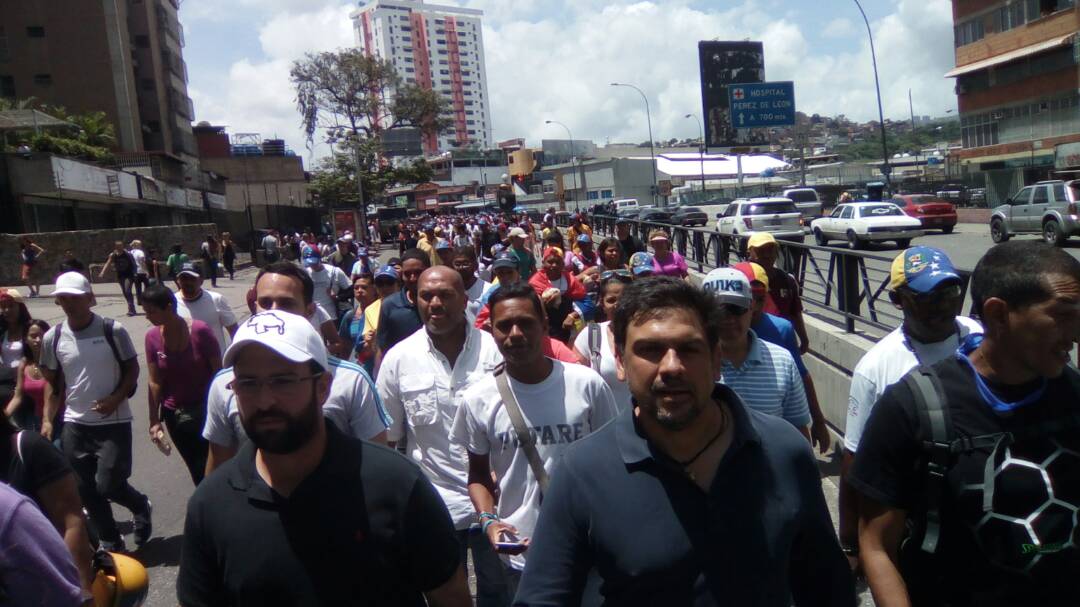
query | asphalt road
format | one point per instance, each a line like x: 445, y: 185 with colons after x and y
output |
x: 166, y: 480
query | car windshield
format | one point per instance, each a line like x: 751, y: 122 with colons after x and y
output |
x: 802, y: 196
x: 880, y: 210
x: 689, y: 210
x: 769, y: 208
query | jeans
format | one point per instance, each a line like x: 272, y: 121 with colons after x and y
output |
x: 211, y: 271
x: 141, y: 282
x: 185, y: 430
x: 127, y: 281
x: 491, y: 585
x: 101, y: 459
x: 228, y: 262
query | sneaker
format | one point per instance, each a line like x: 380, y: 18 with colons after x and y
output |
x: 117, y: 546
x: 144, y: 527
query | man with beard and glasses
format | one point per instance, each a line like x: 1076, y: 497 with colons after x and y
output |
x: 353, y: 403
x: 304, y: 515
x: 557, y: 402
x: 689, y: 497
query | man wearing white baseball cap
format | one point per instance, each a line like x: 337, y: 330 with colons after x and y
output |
x: 92, y: 367
x: 302, y: 508
x: 526, y: 261
x: 763, y: 374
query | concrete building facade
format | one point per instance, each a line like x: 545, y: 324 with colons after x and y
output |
x: 439, y: 48
x: 1018, y: 89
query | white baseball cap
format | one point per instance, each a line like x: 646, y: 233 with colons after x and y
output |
x: 72, y: 283
x: 288, y: 335
x: 730, y: 286
x: 517, y: 232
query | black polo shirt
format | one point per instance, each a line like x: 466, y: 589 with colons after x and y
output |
x: 398, y: 319
x: 760, y: 536
x: 365, y: 528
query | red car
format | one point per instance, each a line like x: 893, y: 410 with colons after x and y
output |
x: 932, y: 211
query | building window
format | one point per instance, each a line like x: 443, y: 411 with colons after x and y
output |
x: 470, y: 122
x: 404, y: 28
x: 7, y: 86
x: 444, y: 72
x: 592, y: 195
x: 35, y: 31
x: 409, y: 70
x: 43, y: 79
x: 606, y: 194
x: 442, y: 51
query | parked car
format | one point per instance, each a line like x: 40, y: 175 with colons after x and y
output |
x: 629, y: 213
x: 689, y: 216
x: 625, y: 204
x: 653, y: 215
x: 806, y: 200
x: 953, y: 192
x: 1048, y: 208
x: 745, y: 216
x: 862, y: 222
x: 932, y: 211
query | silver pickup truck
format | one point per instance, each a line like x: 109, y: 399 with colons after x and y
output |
x: 1048, y: 208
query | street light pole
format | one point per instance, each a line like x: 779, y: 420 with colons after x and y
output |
x: 885, y: 170
x: 652, y: 147
x: 572, y: 156
x: 701, y: 150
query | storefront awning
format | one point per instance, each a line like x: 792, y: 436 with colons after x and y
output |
x: 1019, y: 53
x: 1039, y: 155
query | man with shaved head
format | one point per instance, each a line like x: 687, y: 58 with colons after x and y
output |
x: 420, y: 380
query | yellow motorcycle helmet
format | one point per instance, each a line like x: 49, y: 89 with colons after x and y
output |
x: 120, y: 581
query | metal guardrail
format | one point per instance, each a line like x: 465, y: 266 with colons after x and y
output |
x: 847, y: 287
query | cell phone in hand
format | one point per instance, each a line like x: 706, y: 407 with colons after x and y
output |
x: 510, y: 544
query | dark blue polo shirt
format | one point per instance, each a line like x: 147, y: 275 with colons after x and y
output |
x: 365, y: 527
x: 398, y: 319
x: 760, y: 536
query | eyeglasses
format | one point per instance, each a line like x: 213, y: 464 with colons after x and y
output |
x: 733, y: 310
x: 620, y: 274
x: 282, y: 383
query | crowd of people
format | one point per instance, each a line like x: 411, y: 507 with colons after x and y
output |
x: 566, y: 413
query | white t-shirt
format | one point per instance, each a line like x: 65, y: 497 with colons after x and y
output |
x: 140, y: 261
x: 570, y: 404
x: 10, y: 352
x: 318, y: 318
x: 887, y: 363
x: 353, y: 406
x: 90, y: 368
x: 607, y: 363
x: 422, y: 395
x: 270, y: 243
x: 475, y: 293
x: 328, y: 282
x: 210, y: 307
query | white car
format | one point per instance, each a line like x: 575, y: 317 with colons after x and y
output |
x: 862, y: 222
x: 744, y: 216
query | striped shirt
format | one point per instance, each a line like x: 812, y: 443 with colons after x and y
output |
x: 768, y: 381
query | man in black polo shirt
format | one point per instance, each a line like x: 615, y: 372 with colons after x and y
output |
x: 304, y: 515
x: 398, y: 317
x: 689, y: 497
x: 1007, y: 475
x: 630, y: 244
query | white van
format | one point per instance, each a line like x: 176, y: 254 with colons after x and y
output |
x: 806, y: 200
x: 625, y: 204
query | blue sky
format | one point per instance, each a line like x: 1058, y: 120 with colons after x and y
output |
x: 552, y: 59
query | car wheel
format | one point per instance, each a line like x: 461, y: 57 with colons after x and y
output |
x: 1052, y: 233
x: 948, y: 229
x: 903, y: 243
x: 819, y: 238
x: 853, y: 240
x: 997, y: 231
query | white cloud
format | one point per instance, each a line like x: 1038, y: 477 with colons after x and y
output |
x: 554, y: 60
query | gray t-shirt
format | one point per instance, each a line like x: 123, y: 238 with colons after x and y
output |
x: 90, y: 368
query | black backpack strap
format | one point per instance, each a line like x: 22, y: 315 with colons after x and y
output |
x: 935, y: 428
x: 112, y: 340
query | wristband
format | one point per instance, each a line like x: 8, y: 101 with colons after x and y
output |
x: 487, y: 515
x: 487, y: 523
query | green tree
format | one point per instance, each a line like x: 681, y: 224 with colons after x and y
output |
x: 334, y: 178
x: 91, y: 136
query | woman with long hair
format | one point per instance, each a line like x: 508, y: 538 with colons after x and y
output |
x: 29, y: 252
x: 211, y: 253
x: 228, y: 254
x: 27, y: 404
x: 596, y: 344
x: 182, y: 359
x: 611, y: 255
x: 14, y: 323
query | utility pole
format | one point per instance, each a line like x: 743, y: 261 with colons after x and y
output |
x: 363, y: 227
x: 886, y: 170
x: 701, y: 151
x: 652, y: 145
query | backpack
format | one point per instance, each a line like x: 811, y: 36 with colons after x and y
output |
x: 109, y: 338
x: 941, y: 447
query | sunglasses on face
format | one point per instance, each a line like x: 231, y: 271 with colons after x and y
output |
x: 621, y: 274
x: 733, y: 310
x: 936, y: 296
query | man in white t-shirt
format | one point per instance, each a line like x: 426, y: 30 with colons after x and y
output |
x: 142, y: 273
x: 92, y: 368
x: 270, y: 246
x: 196, y: 303
x: 560, y: 404
x: 353, y: 404
x: 329, y: 281
x: 465, y: 263
x: 928, y: 289
x: 421, y: 380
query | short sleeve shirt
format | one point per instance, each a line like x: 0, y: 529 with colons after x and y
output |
x: 398, y: 319
x: 91, y: 371
x: 768, y: 381
x: 35, y: 565
x: 28, y: 462
x: 673, y: 265
x: 781, y: 332
x: 784, y: 290
x: 210, y: 307
x: 186, y: 375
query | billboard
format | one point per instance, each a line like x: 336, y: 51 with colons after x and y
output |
x: 722, y: 64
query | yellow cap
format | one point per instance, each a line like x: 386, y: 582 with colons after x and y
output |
x: 760, y: 239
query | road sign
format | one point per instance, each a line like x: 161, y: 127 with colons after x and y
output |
x: 762, y: 104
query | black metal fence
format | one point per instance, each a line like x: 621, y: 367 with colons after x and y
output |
x: 846, y: 287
